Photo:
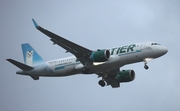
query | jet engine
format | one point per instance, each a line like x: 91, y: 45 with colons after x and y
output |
x: 100, y: 55
x: 125, y: 76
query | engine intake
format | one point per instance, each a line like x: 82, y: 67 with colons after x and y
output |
x: 125, y: 76
x: 100, y: 55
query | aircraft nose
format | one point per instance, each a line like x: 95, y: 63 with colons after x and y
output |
x: 164, y: 50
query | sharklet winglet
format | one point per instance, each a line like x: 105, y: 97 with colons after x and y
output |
x: 35, y: 24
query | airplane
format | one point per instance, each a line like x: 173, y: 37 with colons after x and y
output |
x: 106, y: 63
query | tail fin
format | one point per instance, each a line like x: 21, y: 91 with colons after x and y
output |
x: 31, y: 57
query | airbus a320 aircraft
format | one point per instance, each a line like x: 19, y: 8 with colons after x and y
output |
x: 105, y: 63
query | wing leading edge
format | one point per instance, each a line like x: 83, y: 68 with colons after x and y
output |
x: 81, y: 53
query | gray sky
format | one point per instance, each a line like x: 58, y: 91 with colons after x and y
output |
x: 93, y: 24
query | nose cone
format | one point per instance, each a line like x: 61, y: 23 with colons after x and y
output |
x: 159, y: 51
x: 164, y: 50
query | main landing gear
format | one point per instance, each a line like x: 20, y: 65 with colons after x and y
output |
x: 145, y: 65
x: 102, y: 83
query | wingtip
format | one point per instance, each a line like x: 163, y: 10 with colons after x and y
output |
x: 8, y: 59
x: 35, y: 24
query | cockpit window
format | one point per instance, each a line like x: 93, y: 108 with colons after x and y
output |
x: 155, y: 44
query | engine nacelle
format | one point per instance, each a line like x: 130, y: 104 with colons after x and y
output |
x: 100, y: 55
x: 125, y: 76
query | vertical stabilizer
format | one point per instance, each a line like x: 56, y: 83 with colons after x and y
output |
x: 31, y: 57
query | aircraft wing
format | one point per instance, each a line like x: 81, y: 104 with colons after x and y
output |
x: 81, y: 53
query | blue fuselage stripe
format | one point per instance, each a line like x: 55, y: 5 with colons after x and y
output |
x: 62, y: 67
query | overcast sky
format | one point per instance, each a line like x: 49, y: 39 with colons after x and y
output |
x: 93, y: 24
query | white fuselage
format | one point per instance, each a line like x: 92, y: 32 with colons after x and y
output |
x: 120, y: 56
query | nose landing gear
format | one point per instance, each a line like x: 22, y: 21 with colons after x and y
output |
x: 145, y: 64
x: 146, y: 67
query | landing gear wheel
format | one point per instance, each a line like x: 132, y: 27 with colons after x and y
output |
x: 146, y: 67
x: 101, y: 83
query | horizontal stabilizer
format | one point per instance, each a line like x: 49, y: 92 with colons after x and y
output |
x: 20, y: 65
x: 35, y: 77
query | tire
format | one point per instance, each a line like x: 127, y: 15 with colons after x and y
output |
x: 146, y: 67
x: 101, y: 83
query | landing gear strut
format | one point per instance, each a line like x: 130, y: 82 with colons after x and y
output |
x: 102, y: 83
x: 145, y: 65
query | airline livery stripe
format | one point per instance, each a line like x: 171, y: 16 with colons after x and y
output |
x: 62, y: 67
x: 129, y: 53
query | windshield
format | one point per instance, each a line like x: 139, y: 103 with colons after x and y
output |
x: 155, y: 44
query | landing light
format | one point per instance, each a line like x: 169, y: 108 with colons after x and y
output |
x: 98, y: 63
x: 148, y: 59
